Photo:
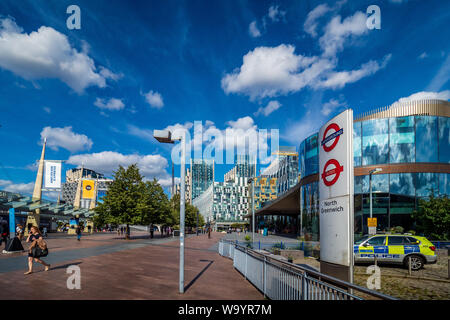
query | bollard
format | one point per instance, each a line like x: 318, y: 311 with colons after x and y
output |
x: 409, y: 266
x: 448, y: 261
x: 259, y: 245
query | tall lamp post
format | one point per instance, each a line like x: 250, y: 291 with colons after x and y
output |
x: 165, y: 136
x: 251, y: 181
x: 370, y: 187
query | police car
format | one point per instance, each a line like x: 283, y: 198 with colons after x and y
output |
x: 395, y: 249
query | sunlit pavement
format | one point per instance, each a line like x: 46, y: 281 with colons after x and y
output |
x: 135, y: 269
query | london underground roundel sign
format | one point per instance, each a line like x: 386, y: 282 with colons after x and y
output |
x: 331, y: 169
x: 332, y: 137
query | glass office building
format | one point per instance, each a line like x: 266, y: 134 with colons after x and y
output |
x: 410, y: 142
x: 201, y: 176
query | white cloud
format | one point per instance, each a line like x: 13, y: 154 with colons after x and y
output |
x: 65, y: 138
x: 47, y: 53
x: 253, y: 30
x: 331, y: 105
x: 310, y: 24
x: 267, y: 72
x: 150, y: 166
x: 271, y: 107
x: 340, y: 79
x: 273, y: 71
x: 47, y: 109
x: 337, y: 32
x: 441, y: 77
x: 275, y: 14
x: 154, y: 99
x: 23, y: 188
x: 111, y: 104
x: 424, y: 95
x: 422, y: 56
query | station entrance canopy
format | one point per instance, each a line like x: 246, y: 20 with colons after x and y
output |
x: 25, y: 203
x: 286, y: 205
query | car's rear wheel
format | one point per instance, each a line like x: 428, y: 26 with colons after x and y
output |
x: 417, y: 262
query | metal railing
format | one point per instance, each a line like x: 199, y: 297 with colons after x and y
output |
x: 280, y: 280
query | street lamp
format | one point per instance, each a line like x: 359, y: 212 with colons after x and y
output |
x: 165, y: 136
x: 251, y: 180
x: 370, y: 186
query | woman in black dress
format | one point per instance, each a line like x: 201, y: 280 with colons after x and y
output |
x: 33, y: 238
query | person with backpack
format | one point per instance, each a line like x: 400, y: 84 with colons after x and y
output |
x: 37, y: 249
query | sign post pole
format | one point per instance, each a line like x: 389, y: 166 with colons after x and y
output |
x: 336, y: 180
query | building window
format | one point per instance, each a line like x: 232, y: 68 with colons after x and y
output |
x: 375, y: 141
x: 311, y: 155
x: 444, y: 184
x: 444, y: 139
x: 401, y: 140
x: 402, y: 184
x: 380, y: 183
x: 426, y: 182
x: 426, y: 139
x: 357, y: 144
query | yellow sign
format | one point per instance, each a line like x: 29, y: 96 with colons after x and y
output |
x: 371, y: 222
x: 88, y: 189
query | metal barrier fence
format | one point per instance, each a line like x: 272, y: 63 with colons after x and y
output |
x: 280, y: 280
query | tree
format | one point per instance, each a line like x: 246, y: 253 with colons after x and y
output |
x: 190, y: 214
x: 433, y: 217
x: 130, y: 200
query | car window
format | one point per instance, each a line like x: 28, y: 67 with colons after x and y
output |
x: 376, y: 241
x: 361, y: 240
x: 412, y: 240
x: 396, y: 241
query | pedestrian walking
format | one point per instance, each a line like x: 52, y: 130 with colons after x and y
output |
x: 37, y: 249
x: 152, y: 229
x: 78, y: 231
x: 44, y: 232
x: 209, y: 233
x: 4, y: 233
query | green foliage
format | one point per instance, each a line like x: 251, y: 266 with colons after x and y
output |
x: 239, y: 225
x: 433, y: 217
x: 412, y: 232
x: 190, y: 214
x: 130, y: 200
x: 247, y: 238
x: 397, y: 229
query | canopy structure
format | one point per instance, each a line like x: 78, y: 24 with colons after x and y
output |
x: 47, y: 208
x: 286, y: 205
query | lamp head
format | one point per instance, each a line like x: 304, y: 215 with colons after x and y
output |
x: 163, y: 136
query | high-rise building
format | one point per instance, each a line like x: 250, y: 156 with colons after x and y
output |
x: 201, y: 176
x: 287, y: 173
x: 265, y: 190
x: 69, y: 188
x: 245, y: 166
x: 187, y: 187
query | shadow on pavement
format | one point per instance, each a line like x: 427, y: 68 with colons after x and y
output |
x: 199, y: 275
x: 65, y: 266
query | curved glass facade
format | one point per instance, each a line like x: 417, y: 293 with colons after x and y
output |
x: 406, y: 139
x: 401, y: 140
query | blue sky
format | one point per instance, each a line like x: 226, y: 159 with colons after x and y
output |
x: 98, y: 92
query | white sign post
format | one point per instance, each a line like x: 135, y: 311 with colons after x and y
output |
x: 336, y: 196
x: 52, y: 174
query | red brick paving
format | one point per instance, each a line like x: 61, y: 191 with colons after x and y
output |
x: 149, y: 272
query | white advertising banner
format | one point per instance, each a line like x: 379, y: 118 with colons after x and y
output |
x: 52, y: 174
x: 336, y: 189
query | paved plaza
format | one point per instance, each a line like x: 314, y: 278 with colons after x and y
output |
x: 114, y: 268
